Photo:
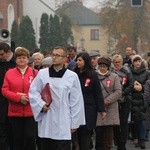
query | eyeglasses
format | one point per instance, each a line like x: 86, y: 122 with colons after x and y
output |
x: 57, y: 55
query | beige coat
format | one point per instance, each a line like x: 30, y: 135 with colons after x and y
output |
x: 111, y: 89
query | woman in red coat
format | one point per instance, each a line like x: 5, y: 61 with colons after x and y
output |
x: 15, y: 88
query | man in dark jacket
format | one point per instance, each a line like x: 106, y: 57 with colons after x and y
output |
x: 6, y: 62
x: 127, y: 58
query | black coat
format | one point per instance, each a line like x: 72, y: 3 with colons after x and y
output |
x: 4, y: 66
x: 127, y: 60
x: 147, y: 102
x: 126, y: 81
x: 137, y: 108
x: 93, y: 98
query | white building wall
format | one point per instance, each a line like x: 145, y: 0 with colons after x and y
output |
x: 11, y: 16
x: 34, y: 9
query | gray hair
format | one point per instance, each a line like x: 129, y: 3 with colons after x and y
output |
x: 38, y: 54
x: 117, y: 56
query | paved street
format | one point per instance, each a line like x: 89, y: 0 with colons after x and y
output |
x: 131, y: 146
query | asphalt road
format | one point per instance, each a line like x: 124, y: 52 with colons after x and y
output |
x: 131, y: 146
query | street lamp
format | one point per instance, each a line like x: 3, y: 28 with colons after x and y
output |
x: 69, y: 41
x: 82, y: 41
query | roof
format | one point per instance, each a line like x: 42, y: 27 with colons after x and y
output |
x: 79, y: 14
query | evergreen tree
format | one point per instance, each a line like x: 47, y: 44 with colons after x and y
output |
x: 55, y: 31
x: 44, y: 32
x: 51, y: 32
x: 26, y: 33
x: 14, y: 33
x: 66, y: 32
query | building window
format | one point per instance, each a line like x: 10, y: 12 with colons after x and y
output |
x: 95, y: 34
x: 136, y: 3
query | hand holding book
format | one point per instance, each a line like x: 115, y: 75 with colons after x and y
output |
x: 46, y: 94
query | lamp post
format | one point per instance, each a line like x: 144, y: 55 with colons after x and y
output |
x: 69, y: 41
x: 82, y: 41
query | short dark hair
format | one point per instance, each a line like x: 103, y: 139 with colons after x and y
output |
x: 4, y: 46
x: 71, y: 48
x: 61, y: 47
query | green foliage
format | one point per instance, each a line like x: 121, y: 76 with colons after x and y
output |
x: 66, y: 32
x: 26, y: 33
x: 44, y: 32
x: 56, y: 31
x: 14, y: 33
x: 51, y: 34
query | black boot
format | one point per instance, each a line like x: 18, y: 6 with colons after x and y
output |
x: 138, y: 144
x: 121, y: 146
x: 142, y: 144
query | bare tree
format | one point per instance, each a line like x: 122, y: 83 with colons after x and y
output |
x: 128, y: 26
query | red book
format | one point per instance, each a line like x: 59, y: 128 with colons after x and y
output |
x: 46, y: 94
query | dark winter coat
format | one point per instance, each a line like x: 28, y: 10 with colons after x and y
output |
x: 93, y: 98
x: 4, y: 67
x: 137, y: 108
x: 127, y: 60
x: 126, y: 81
x: 147, y: 102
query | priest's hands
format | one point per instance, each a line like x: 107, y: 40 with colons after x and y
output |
x: 45, y: 108
x: 73, y: 130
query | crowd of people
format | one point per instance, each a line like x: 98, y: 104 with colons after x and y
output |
x: 93, y: 97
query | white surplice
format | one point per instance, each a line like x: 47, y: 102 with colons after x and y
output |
x: 66, y: 111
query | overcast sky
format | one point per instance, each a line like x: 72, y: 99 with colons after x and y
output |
x: 92, y: 3
x: 87, y: 3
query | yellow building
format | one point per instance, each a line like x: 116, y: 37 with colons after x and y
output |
x: 87, y: 31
